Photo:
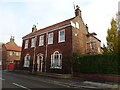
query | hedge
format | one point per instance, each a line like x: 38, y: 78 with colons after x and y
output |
x: 97, y: 64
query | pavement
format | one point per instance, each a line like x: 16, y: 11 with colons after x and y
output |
x: 77, y: 83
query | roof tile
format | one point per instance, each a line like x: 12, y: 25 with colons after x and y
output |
x: 13, y: 48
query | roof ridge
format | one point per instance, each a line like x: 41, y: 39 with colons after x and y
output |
x: 49, y: 27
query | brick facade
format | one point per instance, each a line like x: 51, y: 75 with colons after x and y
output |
x: 76, y: 38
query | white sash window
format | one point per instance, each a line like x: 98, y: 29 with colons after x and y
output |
x: 62, y: 36
x: 50, y: 38
x: 26, y: 61
x: 41, y: 40
x: 26, y: 44
x: 33, y: 42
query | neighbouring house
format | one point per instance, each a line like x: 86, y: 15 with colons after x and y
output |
x: 50, y: 49
x: 11, y: 54
x: 1, y: 55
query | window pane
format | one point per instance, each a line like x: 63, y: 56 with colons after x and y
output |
x: 26, y: 61
x: 41, y: 41
x: 33, y: 42
x: 17, y: 53
x: 56, y: 60
x: 50, y: 38
x: 61, y: 36
x: 77, y: 25
x: 73, y: 24
x: 11, y: 53
x: 26, y: 44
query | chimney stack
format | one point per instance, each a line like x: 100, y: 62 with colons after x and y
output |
x: 77, y: 11
x: 34, y: 28
x: 12, y: 39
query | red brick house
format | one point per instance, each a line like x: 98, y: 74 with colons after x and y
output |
x: 50, y: 49
x: 0, y: 55
x: 11, y: 54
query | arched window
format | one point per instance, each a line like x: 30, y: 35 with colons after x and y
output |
x: 27, y: 61
x: 56, y: 60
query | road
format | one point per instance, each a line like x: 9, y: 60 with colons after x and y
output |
x: 30, y: 82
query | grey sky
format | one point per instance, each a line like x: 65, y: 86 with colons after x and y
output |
x: 18, y: 16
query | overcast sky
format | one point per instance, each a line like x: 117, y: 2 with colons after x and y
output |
x: 18, y: 16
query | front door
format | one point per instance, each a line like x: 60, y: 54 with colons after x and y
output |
x: 40, y: 63
x: 11, y: 65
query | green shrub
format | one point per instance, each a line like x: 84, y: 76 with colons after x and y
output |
x: 101, y: 64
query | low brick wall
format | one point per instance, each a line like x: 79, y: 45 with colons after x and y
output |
x: 115, y: 78
x: 45, y: 74
x: 55, y: 75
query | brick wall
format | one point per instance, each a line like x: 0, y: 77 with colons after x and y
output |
x: 65, y: 48
x: 95, y: 45
x: 79, y: 37
x: 75, y: 42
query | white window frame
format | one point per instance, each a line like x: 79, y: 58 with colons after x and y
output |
x: 26, y: 44
x: 33, y: 42
x: 50, y: 39
x: 72, y: 24
x: 56, y: 63
x: 59, y: 38
x: 0, y: 62
x: 27, y: 61
x: 98, y: 49
x: 77, y: 25
x: 17, y: 53
x: 41, y: 40
x: 11, y: 53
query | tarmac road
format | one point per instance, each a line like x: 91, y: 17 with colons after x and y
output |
x: 16, y: 81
